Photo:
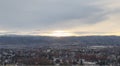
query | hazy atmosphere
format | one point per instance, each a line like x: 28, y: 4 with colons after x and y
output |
x: 59, y: 32
x: 67, y: 17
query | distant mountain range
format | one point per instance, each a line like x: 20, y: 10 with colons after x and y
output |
x: 44, y: 40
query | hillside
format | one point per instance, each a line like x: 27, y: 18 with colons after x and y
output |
x: 43, y: 40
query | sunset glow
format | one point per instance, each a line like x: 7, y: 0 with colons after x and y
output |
x: 60, y: 34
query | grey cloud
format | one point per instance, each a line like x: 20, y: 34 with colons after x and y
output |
x: 44, y: 14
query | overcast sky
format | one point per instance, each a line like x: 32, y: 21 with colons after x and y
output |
x: 78, y: 16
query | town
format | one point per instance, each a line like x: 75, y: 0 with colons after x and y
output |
x: 83, y: 56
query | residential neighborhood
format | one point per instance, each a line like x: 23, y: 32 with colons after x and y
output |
x: 109, y: 56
